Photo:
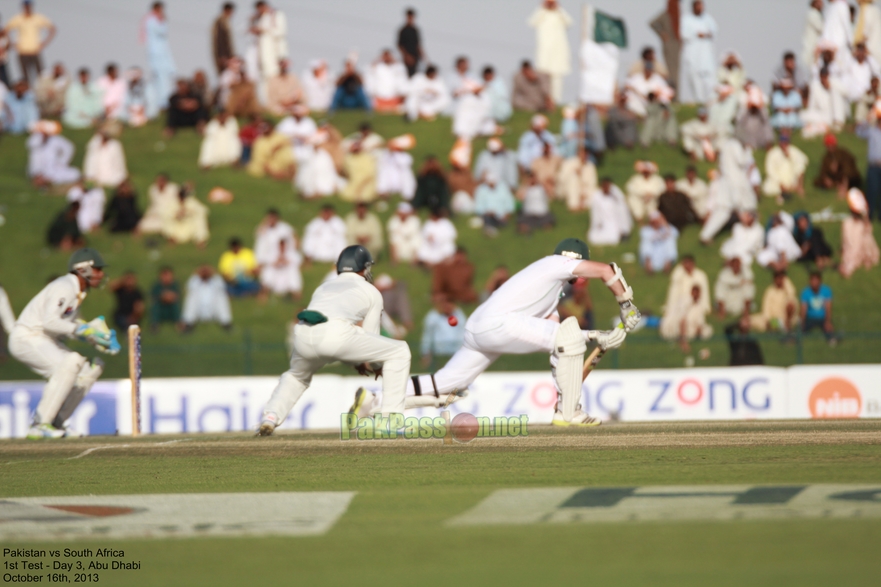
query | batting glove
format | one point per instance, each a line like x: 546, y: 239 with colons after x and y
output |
x: 630, y: 315
x: 608, y: 339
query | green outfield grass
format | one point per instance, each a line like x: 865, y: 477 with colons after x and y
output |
x: 394, y: 531
x: 26, y: 263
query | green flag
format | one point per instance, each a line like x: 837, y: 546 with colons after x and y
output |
x: 608, y: 29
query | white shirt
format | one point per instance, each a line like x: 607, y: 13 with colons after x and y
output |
x: 386, y: 80
x: 318, y: 90
x: 54, y: 310
x: 837, y: 26
x: 324, y: 240
x: 349, y: 298
x: 438, y: 240
x: 534, y: 291
x: 781, y: 241
x: 266, y: 246
x: 105, y: 162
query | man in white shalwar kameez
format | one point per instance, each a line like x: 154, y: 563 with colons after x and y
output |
x: 746, y: 240
x: 827, y: 107
x: 318, y: 86
x: 317, y: 176
x: 162, y: 195
x: 610, y: 219
x: 395, y: 169
x: 698, y: 31
x: 386, y: 83
x: 696, y: 189
x: 438, y: 239
x: 272, y: 45
x: 785, y: 166
x: 49, y: 155
x: 221, y: 144
x: 324, y: 237
x: 599, y: 72
x: 299, y: 128
x: 91, y: 212
x: 105, y: 161
x: 577, y: 181
x: 780, y: 247
x: 838, y: 27
x: 275, y: 248
x: 427, y: 95
x: 857, y: 73
x: 813, y: 32
x: 734, y: 191
x: 472, y: 116
x: 700, y: 137
x: 404, y: 234
x: 643, y: 189
x: 552, y: 57
x: 868, y: 28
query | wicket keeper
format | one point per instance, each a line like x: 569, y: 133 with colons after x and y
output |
x: 35, y: 341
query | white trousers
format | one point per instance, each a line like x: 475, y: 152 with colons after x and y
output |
x: 486, y: 341
x: 336, y: 340
x: 50, y: 359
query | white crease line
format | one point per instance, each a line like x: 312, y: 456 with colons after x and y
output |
x: 89, y: 451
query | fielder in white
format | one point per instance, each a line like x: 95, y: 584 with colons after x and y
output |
x: 34, y: 340
x: 520, y: 318
x: 342, y: 324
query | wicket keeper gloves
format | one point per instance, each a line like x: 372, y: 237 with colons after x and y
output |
x: 607, y: 339
x: 630, y: 315
x: 97, y: 333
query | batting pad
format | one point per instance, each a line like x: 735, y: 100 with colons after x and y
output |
x: 87, y: 377
x: 569, y: 349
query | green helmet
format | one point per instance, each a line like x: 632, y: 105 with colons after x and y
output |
x: 83, y: 261
x: 355, y: 259
x: 573, y: 247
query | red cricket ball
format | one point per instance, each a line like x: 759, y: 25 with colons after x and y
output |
x: 465, y: 427
x: 452, y: 321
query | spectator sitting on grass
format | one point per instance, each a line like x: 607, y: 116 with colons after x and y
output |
x: 687, y: 321
x: 814, y: 248
x: 206, y: 301
x: 535, y: 212
x: 185, y: 110
x: 432, y: 190
x: 493, y: 201
x: 239, y: 269
x: 166, y: 302
x: 779, y: 310
x: 64, y: 232
x: 816, y: 307
x: 455, y: 278
x: 350, y: 93
x: 439, y: 337
x: 658, y: 240
x: 735, y: 289
x: 129, y: 301
x: 122, y: 212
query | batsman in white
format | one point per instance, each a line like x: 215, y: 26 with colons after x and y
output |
x: 521, y: 317
x: 35, y: 341
x: 342, y: 324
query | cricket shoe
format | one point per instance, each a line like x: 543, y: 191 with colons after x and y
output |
x: 363, y: 398
x: 580, y: 420
x: 267, y: 424
x: 39, y: 431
